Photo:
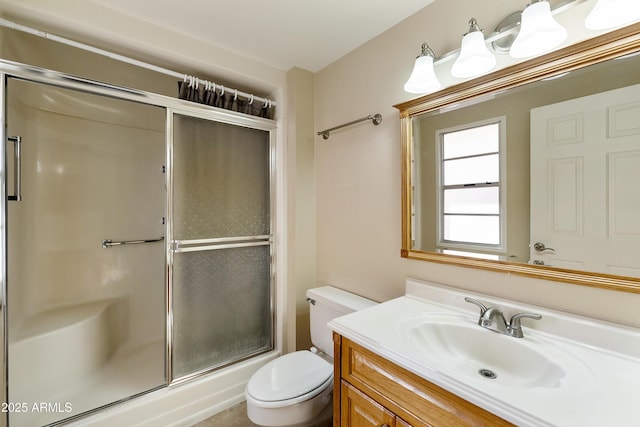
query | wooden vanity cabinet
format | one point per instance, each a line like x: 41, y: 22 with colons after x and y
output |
x: 358, y: 409
x: 370, y: 391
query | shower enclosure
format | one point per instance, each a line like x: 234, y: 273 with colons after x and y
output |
x: 136, y: 238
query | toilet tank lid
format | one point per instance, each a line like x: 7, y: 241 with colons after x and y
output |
x: 339, y: 299
x: 289, y: 376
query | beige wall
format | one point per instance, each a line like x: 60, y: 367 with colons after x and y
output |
x: 358, y: 174
x: 301, y: 262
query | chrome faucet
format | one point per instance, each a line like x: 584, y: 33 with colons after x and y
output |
x: 491, y: 318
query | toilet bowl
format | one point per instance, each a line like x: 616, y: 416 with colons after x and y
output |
x: 291, y: 390
x: 296, y: 389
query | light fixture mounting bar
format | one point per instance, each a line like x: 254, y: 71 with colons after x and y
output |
x: 497, y: 35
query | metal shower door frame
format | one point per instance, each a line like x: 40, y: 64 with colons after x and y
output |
x: 25, y: 72
x: 174, y: 246
x: 4, y: 391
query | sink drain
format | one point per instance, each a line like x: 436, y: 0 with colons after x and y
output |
x: 487, y: 373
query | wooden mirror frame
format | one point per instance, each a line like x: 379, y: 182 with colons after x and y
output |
x: 611, y: 45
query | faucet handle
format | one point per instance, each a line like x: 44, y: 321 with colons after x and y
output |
x: 515, y: 328
x: 483, y: 307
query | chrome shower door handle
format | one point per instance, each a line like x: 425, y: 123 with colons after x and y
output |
x: 17, y: 168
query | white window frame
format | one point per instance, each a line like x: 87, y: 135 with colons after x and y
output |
x: 442, y: 244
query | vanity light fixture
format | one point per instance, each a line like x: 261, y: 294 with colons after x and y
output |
x: 608, y: 14
x: 525, y: 34
x: 423, y: 78
x: 474, y: 58
x: 539, y: 31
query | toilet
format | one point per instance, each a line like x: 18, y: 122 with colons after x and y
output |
x: 296, y: 389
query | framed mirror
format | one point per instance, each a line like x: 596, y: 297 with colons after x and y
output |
x: 533, y: 169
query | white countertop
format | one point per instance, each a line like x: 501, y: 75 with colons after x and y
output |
x: 601, y: 387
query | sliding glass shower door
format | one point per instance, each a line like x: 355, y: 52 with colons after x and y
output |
x: 222, y: 249
x: 136, y: 243
x: 85, y: 314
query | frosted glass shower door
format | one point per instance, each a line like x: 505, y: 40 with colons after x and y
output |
x: 222, y: 250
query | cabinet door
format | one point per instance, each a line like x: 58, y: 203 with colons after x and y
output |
x: 358, y: 410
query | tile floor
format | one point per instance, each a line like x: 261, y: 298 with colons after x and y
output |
x: 237, y: 417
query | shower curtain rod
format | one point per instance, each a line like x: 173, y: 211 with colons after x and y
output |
x: 185, y: 77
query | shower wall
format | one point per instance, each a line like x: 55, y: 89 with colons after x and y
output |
x: 91, y: 171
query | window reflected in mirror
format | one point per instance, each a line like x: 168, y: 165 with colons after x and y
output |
x: 469, y: 208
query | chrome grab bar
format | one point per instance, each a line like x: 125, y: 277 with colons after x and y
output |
x: 220, y: 243
x: 107, y: 243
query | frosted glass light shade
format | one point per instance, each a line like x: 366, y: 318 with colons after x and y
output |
x: 608, y: 14
x: 539, y: 32
x: 423, y: 78
x: 474, y: 58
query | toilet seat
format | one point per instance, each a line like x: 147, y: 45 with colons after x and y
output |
x: 290, y: 379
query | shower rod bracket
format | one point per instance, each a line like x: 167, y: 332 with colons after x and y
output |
x: 376, y: 119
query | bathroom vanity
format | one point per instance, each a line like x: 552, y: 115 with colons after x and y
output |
x: 373, y: 391
x: 424, y: 360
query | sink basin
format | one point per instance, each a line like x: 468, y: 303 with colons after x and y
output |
x: 459, y: 345
x: 568, y: 370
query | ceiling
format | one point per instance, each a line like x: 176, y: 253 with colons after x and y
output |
x: 309, y: 34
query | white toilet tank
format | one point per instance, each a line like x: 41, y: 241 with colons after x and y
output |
x: 327, y: 303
